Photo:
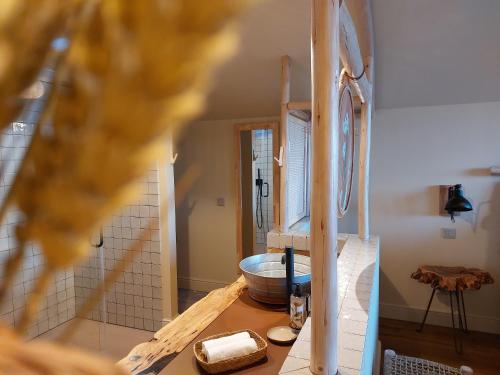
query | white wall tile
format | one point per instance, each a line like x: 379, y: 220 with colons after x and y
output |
x: 135, y: 291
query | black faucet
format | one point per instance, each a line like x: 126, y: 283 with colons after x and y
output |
x: 287, y: 259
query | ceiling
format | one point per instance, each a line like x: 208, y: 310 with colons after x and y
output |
x: 427, y: 52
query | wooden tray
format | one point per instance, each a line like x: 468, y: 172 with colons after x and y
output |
x: 231, y: 363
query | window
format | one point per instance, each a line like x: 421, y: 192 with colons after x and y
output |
x: 297, y: 169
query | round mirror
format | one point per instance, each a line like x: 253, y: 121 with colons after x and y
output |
x: 346, y: 148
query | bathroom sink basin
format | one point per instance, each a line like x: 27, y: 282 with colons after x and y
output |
x: 266, y: 276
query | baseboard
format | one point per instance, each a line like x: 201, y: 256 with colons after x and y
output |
x: 202, y: 285
x: 480, y: 323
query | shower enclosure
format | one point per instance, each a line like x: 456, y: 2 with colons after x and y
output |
x: 257, y: 188
x: 132, y: 308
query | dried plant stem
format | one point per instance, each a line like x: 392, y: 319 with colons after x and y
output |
x: 109, y: 280
x: 34, y: 299
x: 45, y: 117
x: 7, y: 201
x: 10, y: 269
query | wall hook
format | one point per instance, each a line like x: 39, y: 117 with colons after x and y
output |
x: 255, y: 156
x: 174, y: 158
x: 280, y: 160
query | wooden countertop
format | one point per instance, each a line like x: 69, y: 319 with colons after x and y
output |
x: 244, y: 313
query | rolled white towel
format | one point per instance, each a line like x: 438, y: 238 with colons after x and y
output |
x: 231, y: 350
x: 223, y: 340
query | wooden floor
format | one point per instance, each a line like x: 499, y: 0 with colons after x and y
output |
x: 481, y: 350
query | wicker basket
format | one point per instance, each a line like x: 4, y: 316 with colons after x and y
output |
x: 231, y: 363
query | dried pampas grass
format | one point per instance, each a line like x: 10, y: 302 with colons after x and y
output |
x: 27, y: 29
x: 134, y: 71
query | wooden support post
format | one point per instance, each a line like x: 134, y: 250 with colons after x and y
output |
x: 285, y: 99
x: 364, y: 159
x: 357, y: 51
x: 325, y: 75
x: 364, y: 171
x: 361, y: 11
x: 168, y: 235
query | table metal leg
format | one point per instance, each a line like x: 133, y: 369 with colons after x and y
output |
x: 466, y: 329
x: 460, y: 324
x: 458, y: 348
x: 421, y: 327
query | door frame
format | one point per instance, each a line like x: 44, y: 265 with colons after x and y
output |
x: 238, y: 128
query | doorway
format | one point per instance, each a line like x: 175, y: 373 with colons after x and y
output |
x: 257, y: 182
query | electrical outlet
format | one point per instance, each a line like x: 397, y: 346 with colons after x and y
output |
x: 449, y: 233
x: 221, y: 202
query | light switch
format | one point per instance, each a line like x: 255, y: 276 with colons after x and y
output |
x: 221, y: 202
x: 449, y: 233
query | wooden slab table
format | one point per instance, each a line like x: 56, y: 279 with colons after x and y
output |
x: 453, y: 280
x: 244, y: 313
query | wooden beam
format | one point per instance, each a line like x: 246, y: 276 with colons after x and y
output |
x: 361, y: 11
x: 351, y: 55
x: 325, y: 76
x: 299, y: 106
x: 285, y: 99
x: 168, y: 235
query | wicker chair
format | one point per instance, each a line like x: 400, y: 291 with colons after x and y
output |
x: 402, y: 365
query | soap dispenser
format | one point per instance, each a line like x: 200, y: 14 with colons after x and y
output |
x: 298, y: 310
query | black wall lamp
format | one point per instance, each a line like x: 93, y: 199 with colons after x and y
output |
x: 455, y: 201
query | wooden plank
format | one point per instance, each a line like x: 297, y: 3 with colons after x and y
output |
x: 276, y: 177
x: 325, y: 77
x: 237, y: 188
x: 285, y: 99
x: 168, y: 234
x: 179, y: 333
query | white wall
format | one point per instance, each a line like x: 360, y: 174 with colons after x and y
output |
x: 413, y: 151
x: 206, y: 233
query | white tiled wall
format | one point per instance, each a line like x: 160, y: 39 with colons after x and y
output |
x: 135, y: 300
x: 262, y: 142
x: 59, y: 304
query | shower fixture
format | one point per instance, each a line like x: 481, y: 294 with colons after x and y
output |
x: 259, y: 182
x: 101, y: 240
